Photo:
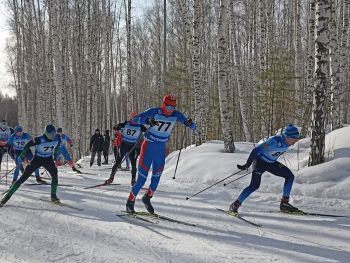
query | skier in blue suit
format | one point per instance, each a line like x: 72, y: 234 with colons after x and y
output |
x: 153, y: 149
x: 264, y: 158
x: 63, y: 152
x: 17, y: 141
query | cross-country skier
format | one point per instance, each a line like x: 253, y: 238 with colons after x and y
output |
x: 5, y: 133
x: 45, y: 147
x: 65, y: 139
x: 153, y: 149
x: 264, y: 158
x: 17, y: 141
x: 117, y: 141
x: 130, y: 135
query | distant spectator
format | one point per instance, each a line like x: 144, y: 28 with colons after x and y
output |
x: 96, y: 146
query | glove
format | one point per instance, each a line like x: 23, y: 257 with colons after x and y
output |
x: 242, y: 167
x: 188, y: 122
x: 152, y: 122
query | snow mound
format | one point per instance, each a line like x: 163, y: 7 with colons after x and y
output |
x: 209, y: 163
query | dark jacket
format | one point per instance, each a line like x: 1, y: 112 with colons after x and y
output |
x: 107, y: 140
x: 96, y: 143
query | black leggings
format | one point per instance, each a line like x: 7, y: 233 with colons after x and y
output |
x: 124, y: 149
x: 36, y: 163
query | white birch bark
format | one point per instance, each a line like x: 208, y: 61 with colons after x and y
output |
x: 222, y: 78
x: 322, y: 19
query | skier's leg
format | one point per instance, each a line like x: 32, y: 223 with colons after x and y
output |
x: 258, y: 170
x: 31, y: 167
x: 133, y: 167
x: 157, y: 169
x: 16, y: 172
x: 282, y: 171
x: 145, y: 162
x: 117, y: 163
x: 49, y: 165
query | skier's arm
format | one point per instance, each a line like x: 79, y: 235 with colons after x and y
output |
x: 143, y: 117
x: 186, y: 121
x: 258, y: 150
x: 26, y: 148
x: 69, y: 140
x: 9, y: 142
x: 121, y: 125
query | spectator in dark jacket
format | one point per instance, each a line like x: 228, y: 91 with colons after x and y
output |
x: 96, y: 146
x: 106, y: 144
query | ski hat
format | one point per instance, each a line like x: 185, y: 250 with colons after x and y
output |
x: 168, y: 104
x: 291, y: 131
x: 59, y: 129
x: 97, y: 130
x: 50, y: 131
x: 18, y: 128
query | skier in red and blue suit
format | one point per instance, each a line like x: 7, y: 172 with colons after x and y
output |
x: 153, y: 149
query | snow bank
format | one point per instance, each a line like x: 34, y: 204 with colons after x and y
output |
x: 209, y: 163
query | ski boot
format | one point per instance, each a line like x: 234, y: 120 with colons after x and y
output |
x: 13, y: 182
x: 54, y: 198
x: 110, y: 180
x: 146, y: 200
x: 130, y: 207
x: 234, y: 207
x: 286, y: 207
x: 40, y: 181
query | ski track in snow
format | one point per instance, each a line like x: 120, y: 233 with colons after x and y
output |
x: 35, y: 231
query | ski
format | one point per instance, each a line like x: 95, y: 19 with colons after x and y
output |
x: 239, y: 217
x: 173, y: 220
x: 98, y: 185
x: 64, y: 185
x: 59, y: 203
x: 161, y: 217
x: 303, y: 213
x: 137, y: 215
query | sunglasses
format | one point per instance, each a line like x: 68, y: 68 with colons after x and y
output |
x: 170, y: 108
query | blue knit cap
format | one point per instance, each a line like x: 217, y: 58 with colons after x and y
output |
x: 291, y: 131
x: 18, y: 128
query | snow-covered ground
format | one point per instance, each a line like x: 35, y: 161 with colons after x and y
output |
x: 35, y: 231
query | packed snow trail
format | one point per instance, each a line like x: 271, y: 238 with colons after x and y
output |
x: 32, y: 230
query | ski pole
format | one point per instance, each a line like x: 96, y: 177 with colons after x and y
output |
x: 187, y: 198
x: 178, y: 158
x: 236, y: 179
x: 8, y: 172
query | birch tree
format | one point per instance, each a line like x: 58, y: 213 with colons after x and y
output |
x: 322, y: 19
x: 222, y: 78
